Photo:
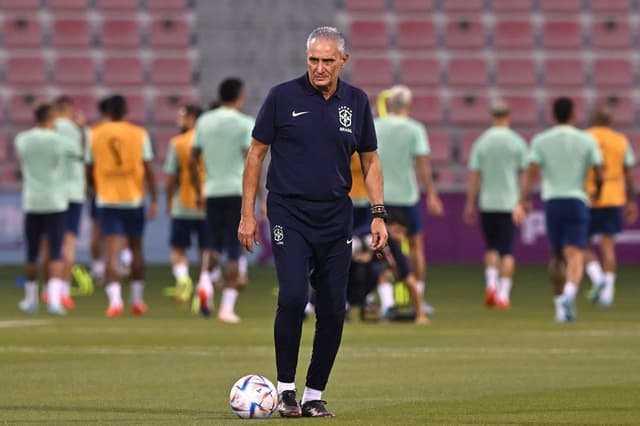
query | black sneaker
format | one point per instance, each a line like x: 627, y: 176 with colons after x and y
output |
x: 287, y: 405
x: 316, y: 408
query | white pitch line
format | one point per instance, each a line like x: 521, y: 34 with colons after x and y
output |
x: 23, y: 323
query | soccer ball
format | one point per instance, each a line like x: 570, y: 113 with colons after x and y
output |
x: 253, y: 397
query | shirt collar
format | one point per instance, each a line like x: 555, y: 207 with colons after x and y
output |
x: 306, y: 84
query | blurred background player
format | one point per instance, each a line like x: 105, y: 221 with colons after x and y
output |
x: 404, y: 148
x: 497, y: 159
x: 564, y: 155
x: 186, y: 219
x: 44, y: 156
x: 222, y: 137
x: 119, y: 164
x: 617, y: 199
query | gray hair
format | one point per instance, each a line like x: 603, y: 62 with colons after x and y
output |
x: 328, y: 33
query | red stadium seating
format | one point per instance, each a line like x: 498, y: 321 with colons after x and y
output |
x: 21, y: 31
x: 172, y: 71
x: 444, y: 176
x: 170, y: 33
x: 427, y: 109
x: 119, y: 33
x: 563, y: 72
x: 417, y: 72
x: 85, y: 102
x: 165, y: 107
x: 511, y: 6
x: 469, y: 110
x: 467, y: 6
x: 372, y: 71
x: 10, y: 176
x: 611, y: 33
x: 467, y: 72
x: 415, y: 34
x: 513, y: 34
x: 20, y: 107
x: 524, y: 110
x: 68, y: 5
x: 612, y: 73
x: 165, y: 6
x: 571, y: 7
x: 611, y: 6
x: 513, y: 72
x: 440, y: 147
x: 71, y: 33
x: 26, y: 71
x: 412, y: 6
x: 122, y: 70
x: 19, y: 5
x: 374, y: 6
x: 466, y: 143
x: 463, y: 33
x: 562, y: 34
x: 75, y: 71
x: 125, y: 6
x: 579, y: 105
x: 622, y: 112
x: 3, y: 148
x: 370, y: 34
x: 161, y: 140
x: 136, y: 107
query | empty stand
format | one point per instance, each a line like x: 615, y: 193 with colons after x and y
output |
x: 87, y: 103
x: 119, y: 33
x: 420, y: 72
x: 579, y: 108
x: 21, y: 31
x: 440, y: 145
x: 371, y: 6
x: 467, y: 72
x: 464, y: 33
x: 161, y: 141
x: 369, y: 34
x: 172, y: 71
x: 415, y: 34
x: 167, y: 6
x: 524, y: 110
x: 511, y: 6
x: 3, y: 148
x: 513, y: 34
x: 64, y: 6
x: 20, y: 107
x: 466, y: 144
x: 612, y: 6
x: 165, y: 107
x: 26, y: 71
x: 562, y: 34
x: 122, y: 70
x: 19, y: 5
x: 612, y: 73
x: 170, y: 33
x: 136, y: 107
x: 469, y: 110
x: 514, y: 72
x: 611, y: 33
x: 75, y: 71
x: 427, y: 109
x: 123, y: 6
x: 71, y: 33
x: 622, y: 111
x: 570, y: 7
x: 412, y: 6
x: 466, y: 6
x: 372, y: 71
x: 563, y: 72
x: 444, y: 176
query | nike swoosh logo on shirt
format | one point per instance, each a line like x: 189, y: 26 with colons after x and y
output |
x: 349, y: 241
x: 296, y: 114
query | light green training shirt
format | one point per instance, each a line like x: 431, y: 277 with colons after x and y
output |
x: 75, y: 172
x: 400, y: 141
x: 564, y: 154
x: 498, y: 154
x: 223, y: 136
x: 178, y: 211
x: 44, y: 156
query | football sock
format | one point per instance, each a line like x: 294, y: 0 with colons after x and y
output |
x: 228, y: 302
x: 205, y: 282
x: 570, y: 290
x: 609, y: 285
x: 54, y: 288
x: 126, y: 257
x: 420, y: 287
x: 308, y: 309
x: 594, y: 270
x: 385, y: 293
x: 505, y: 289
x: 216, y: 274
x: 97, y: 269
x: 558, y: 300
x: 137, y: 290
x: 243, y: 266
x: 114, y: 293
x: 286, y: 387
x: 311, y: 394
x: 180, y: 270
x: 66, y: 289
x: 491, y: 277
x: 31, y: 292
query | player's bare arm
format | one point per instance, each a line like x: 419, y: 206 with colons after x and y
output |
x: 630, y: 208
x: 372, y: 172
x: 196, y: 155
x: 425, y: 177
x: 524, y: 205
x: 599, y: 178
x: 170, y: 192
x: 470, y: 213
x: 150, y: 180
x: 248, y: 229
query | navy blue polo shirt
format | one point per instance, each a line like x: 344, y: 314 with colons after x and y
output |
x: 312, y: 139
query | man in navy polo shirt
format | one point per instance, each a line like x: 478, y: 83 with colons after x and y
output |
x: 313, y: 124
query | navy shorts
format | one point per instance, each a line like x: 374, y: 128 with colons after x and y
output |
x: 567, y: 222
x: 223, y: 219
x: 413, y: 215
x: 182, y: 231
x: 605, y: 221
x: 498, y: 229
x: 72, y: 218
x: 39, y: 225
x: 127, y: 222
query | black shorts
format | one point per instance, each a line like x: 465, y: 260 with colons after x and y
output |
x: 72, y: 218
x: 39, y: 225
x: 182, y: 230
x: 223, y: 219
x: 498, y: 229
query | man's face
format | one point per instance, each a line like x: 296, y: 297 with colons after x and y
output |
x: 324, y: 63
x: 184, y: 121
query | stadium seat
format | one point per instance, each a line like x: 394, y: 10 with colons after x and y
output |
x: 368, y: 6
x: 122, y: 70
x: 172, y: 71
x: 572, y: 7
x: 3, y: 148
x: 167, y: 6
x: 62, y: 6
x: 562, y: 34
x: 612, y: 73
x: 514, y: 72
x: 469, y: 110
x: 75, y: 71
x: 10, y: 177
x: 427, y: 109
x: 611, y: 33
x: 579, y: 105
x: 125, y: 6
x: 524, y: 110
x: 467, y: 72
x: 120, y: 33
x: 170, y: 33
x: 161, y: 139
x: 602, y: 7
x: 412, y: 6
x: 563, y: 72
x: 136, y: 107
x: 71, y: 33
x: 440, y: 147
x: 26, y: 71
x: 369, y: 34
x: 165, y: 107
x: 372, y: 72
x: 466, y: 143
x: 467, y: 6
x: 511, y: 6
x: 20, y: 107
x: 463, y: 33
x: 21, y: 31
x: 417, y: 72
x: 415, y: 34
x: 622, y: 111
x: 444, y: 176
x: 87, y: 103
x: 19, y: 5
x: 513, y: 35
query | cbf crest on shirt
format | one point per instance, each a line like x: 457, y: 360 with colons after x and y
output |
x: 312, y: 139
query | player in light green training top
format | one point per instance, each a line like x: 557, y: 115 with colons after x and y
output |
x: 497, y: 158
x: 403, y: 148
x: 44, y: 156
x: 564, y: 155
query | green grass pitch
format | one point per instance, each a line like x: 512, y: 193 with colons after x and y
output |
x: 471, y: 366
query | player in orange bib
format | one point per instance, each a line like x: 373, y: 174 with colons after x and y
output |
x: 119, y: 164
x: 617, y: 202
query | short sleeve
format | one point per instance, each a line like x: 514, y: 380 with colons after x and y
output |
x: 247, y: 138
x: 595, y: 156
x: 368, y: 140
x: 264, y: 129
x: 629, y: 156
x: 474, y: 157
x: 534, y: 154
x: 522, y: 161
x: 171, y: 163
x: 147, y: 149
x: 421, y: 141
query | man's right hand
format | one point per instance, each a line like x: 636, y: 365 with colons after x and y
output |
x: 248, y: 232
x: 470, y: 214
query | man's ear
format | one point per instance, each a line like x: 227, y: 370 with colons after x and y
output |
x: 345, y: 58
